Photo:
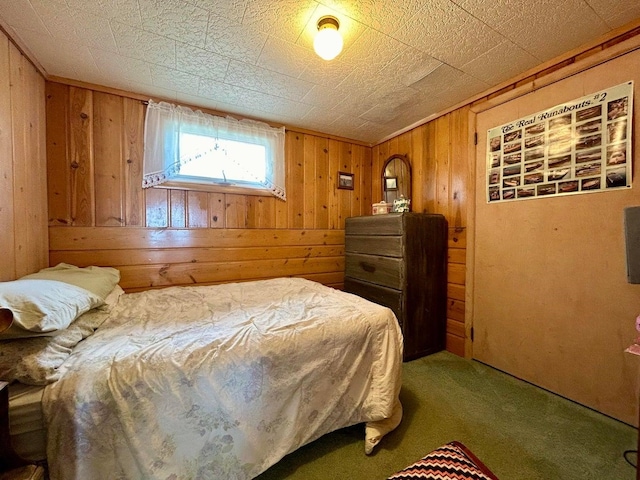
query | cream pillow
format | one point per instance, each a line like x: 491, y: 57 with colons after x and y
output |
x: 43, y: 306
x: 99, y: 280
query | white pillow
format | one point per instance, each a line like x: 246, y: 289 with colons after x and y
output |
x: 44, y: 306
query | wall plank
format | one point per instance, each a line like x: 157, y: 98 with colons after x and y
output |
x: 310, y: 155
x: 81, y: 156
x: 23, y: 183
x: 114, y: 238
x: 18, y: 90
x: 198, y: 209
x: 140, y: 256
x: 216, y: 210
x: 295, y: 178
x: 157, y: 207
x: 108, y: 182
x: 334, y: 199
x: 133, y: 132
x: 58, y: 170
x: 178, y: 208
x: 191, y: 274
x: 321, y: 201
x: 29, y: 164
x: 7, y: 208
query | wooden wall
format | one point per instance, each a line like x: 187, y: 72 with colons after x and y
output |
x: 23, y: 196
x: 99, y: 214
x: 438, y: 153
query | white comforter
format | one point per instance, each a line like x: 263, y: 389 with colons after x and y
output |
x: 220, y: 382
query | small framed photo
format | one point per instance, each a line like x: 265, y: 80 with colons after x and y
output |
x: 390, y: 183
x: 345, y: 180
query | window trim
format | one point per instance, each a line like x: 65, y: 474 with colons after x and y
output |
x: 215, y: 188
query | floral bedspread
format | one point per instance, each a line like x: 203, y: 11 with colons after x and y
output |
x: 220, y: 382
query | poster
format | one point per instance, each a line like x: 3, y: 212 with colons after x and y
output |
x: 578, y: 147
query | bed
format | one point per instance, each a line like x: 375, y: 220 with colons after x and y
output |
x: 214, y: 381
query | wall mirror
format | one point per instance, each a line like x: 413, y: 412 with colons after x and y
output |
x: 396, y: 178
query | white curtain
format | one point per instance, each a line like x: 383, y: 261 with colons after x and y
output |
x: 164, y: 123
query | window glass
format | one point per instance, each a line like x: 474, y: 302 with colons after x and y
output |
x: 219, y: 160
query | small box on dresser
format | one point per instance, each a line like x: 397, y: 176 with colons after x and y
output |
x: 399, y: 260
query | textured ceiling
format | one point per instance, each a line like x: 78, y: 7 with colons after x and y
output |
x: 403, y: 60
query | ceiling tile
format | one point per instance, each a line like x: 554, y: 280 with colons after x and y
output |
x: 500, y: 63
x: 328, y: 74
x: 317, y: 117
x: 173, y: 79
x: 20, y: 14
x: 410, y: 66
x: 120, y: 67
x: 618, y: 16
x: 59, y: 57
x: 123, y: 11
x: 137, y: 43
x: 325, y: 97
x: 160, y: 92
x: 224, y: 93
x: 230, y: 9
x: 448, y: 85
x: 79, y: 27
x: 261, y: 102
x: 284, y: 57
x: 175, y: 19
x: 372, y: 51
x: 201, y: 62
x: 381, y: 16
x: 355, y: 104
x: 263, y: 80
x: 447, y: 33
x: 233, y: 40
x: 544, y: 28
x: 392, y: 105
x: 285, y: 19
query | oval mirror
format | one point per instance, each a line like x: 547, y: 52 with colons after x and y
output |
x: 396, y: 178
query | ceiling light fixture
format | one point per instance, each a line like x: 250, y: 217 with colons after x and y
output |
x: 328, y: 41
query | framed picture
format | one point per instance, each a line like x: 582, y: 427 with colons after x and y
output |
x: 345, y: 180
x: 390, y: 183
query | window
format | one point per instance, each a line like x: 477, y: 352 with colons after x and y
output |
x: 221, y: 161
x: 187, y: 147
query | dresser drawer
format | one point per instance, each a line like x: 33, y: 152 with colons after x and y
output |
x: 387, y: 297
x: 391, y: 246
x: 389, y: 224
x: 385, y: 271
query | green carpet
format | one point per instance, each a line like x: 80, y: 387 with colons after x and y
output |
x: 519, y: 431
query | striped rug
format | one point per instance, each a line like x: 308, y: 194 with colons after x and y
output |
x: 452, y: 461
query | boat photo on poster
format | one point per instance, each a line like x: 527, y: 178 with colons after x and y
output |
x: 582, y: 146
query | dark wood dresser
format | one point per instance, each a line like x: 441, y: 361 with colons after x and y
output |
x: 399, y: 260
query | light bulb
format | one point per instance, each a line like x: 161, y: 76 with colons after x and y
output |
x: 328, y: 42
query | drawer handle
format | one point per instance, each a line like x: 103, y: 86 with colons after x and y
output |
x: 367, y: 267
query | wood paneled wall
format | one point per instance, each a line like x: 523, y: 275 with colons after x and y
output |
x: 99, y: 214
x: 23, y: 196
x: 442, y: 157
x: 439, y: 155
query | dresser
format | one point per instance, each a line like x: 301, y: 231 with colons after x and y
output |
x: 399, y: 260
